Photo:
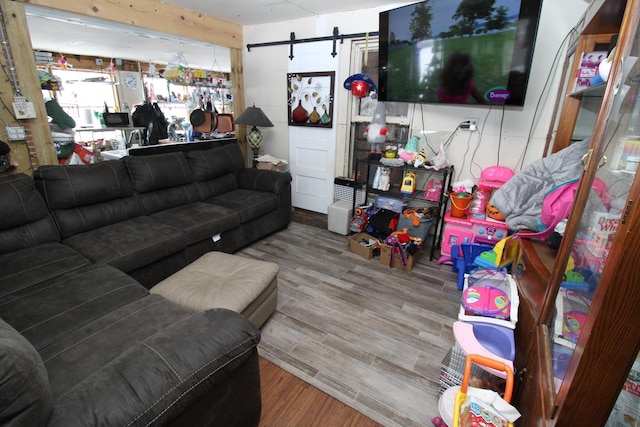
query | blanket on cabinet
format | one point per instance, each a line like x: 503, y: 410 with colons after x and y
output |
x: 520, y: 199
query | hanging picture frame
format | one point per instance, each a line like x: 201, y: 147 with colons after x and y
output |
x: 310, y: 99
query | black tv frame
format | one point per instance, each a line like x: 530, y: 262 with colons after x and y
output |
x: 526, y: 33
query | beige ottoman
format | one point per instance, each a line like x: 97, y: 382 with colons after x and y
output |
x: 221, y: 280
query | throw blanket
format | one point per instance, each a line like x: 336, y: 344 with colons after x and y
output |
x: 520, y: 198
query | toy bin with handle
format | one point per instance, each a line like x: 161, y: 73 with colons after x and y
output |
x: 465, y: 412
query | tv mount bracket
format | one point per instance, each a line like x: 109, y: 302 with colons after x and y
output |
x: 292, y: 41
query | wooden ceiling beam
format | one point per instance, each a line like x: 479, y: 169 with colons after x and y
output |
x: 154, y: 16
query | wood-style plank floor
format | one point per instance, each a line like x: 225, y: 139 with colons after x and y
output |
x: 287, y: 401
x: 368, y: 335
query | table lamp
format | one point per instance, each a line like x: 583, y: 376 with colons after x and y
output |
x: 253, y: 116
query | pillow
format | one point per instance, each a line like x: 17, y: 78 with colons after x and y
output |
x: 20, y: 203
x: 158, y: 171
x: 25, y: 394
x: 72, y: 186
x: 210, y: 164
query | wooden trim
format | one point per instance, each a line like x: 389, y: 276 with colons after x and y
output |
x: 237, y: 92
x: 39, y: 148
x: 571, y: 105
x: 155, y: 16
x: 609, y: 341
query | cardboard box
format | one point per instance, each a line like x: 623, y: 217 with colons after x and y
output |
x: 385, y: 258
x: 278, y: 167
x: 355, y: 243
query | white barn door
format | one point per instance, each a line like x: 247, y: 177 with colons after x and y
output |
x: 311, y: 149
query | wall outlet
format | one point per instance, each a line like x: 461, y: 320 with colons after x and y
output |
x: 470, y: 124
x: 23, y: 109
x: 16, y: 133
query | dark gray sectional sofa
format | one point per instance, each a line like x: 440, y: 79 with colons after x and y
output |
x: 82, y: 342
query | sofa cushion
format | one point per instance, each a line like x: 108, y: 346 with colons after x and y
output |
x: 249, y: 204
x: 70, y: 186
x: 168, y: 198
x: 46, y: 313
x: 158, y: 171
x: 20, y: 202
x: 219, y: 161
x: 25, y: 394
x: 199, y: 220
x: 129, y: 245
x: 128, y: 372
x: 86, y: 197
x: 84, y: 351
x: 26, y: 220
x: 24, y: 268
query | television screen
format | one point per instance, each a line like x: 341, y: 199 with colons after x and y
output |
x: 458, y: 51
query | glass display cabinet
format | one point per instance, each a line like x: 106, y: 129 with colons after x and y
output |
x: 579, y: 330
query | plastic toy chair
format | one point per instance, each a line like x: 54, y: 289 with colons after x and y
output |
x: 502, y: 255
x: 464, y: 257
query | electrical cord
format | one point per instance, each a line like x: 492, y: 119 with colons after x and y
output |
x: 480, y: 135
x: 464, y: 156
x: 500, y: 136
x: 542, y: 93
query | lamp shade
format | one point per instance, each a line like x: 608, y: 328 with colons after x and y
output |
x: 253, y: 116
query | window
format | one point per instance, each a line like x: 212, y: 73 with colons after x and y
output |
x: 83, y: 93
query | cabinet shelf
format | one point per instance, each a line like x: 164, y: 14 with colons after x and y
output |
x: 596, y: 91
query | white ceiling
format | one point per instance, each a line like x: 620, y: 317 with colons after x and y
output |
x: 251, y: 12
x: 74, y: 34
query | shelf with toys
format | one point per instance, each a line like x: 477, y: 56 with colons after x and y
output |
x: 412, y: 191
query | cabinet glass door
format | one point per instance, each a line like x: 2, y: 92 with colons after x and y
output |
x: 618, y: 149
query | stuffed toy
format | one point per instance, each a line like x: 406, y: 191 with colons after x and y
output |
x: 421, y: 159
x: 384, y: 183
x: 376, y: 132
x: 408, y: 153
x: 439, y: 161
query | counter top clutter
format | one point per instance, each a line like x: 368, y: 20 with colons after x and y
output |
x: 82, y: 339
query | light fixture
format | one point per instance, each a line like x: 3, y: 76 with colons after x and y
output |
x: 176, y: 68
x: 253, y: 116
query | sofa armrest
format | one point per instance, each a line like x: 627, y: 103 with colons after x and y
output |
x: 161, y: 378
x: 264, y: 180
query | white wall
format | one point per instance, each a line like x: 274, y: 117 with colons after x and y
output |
x: 265, y: 71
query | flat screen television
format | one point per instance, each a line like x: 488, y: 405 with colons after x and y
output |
x: 458, y: 51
